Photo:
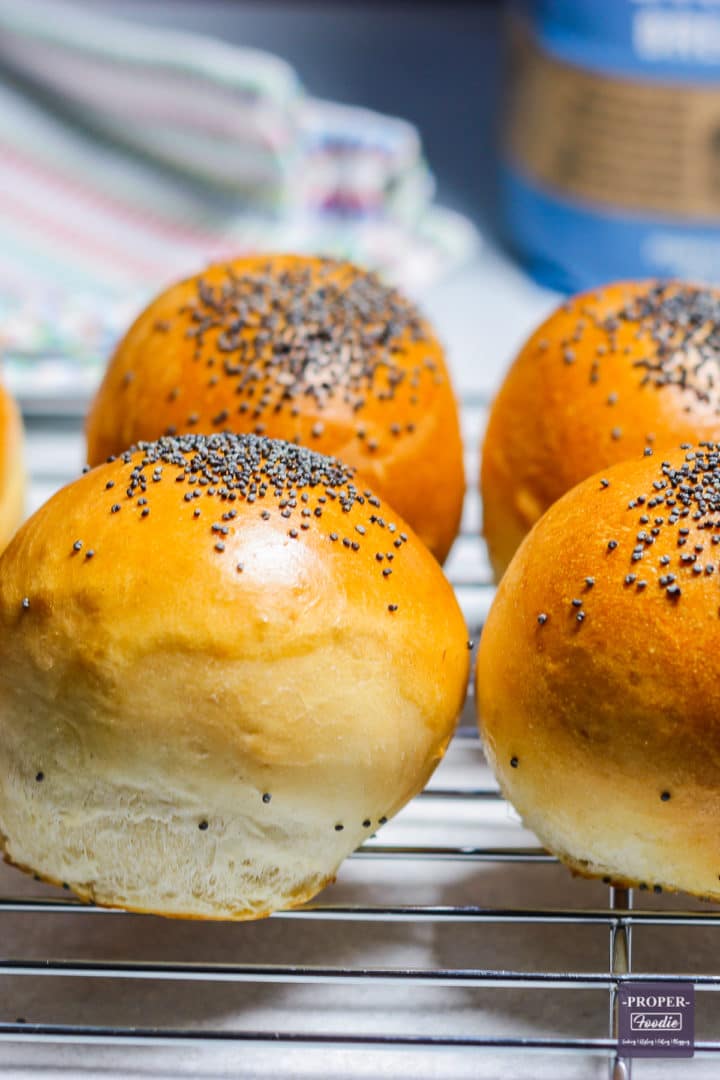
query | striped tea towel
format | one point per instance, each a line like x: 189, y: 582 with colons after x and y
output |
x: 130, y: 156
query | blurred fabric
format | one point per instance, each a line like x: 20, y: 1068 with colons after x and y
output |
x: 131, y: 155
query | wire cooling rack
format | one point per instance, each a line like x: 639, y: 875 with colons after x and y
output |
x: 457, y: 862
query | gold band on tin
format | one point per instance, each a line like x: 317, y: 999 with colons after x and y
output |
x: 627, y: 145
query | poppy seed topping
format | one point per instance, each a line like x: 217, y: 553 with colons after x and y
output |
x: 281, y: 335
x: 290, y: 482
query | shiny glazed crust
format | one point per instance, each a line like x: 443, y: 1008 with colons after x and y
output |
x: 597, y: 685
x: 303, y: 349
x: 222, y: 667
x: 12, y: 468
x: 610, y: 372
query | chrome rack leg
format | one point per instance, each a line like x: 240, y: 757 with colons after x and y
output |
x: 620, y: 964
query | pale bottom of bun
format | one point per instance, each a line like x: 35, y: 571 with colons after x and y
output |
x: 143, y: 856
x: 628, y: 868
x: 194, y: 785
x: 599, y: 834
x: 584, y: 869
x: 88, y: 897
x: 581, y: 868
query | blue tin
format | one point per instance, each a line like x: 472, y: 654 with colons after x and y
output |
x: 611, y: 167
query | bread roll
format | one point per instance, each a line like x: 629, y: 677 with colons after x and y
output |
x: 597, y: 680
x: 309, y: 350
x: 222, y: 667
x: 608, y: 373
x: 12, y: 468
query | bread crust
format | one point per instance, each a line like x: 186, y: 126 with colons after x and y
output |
x: 303, y: 349
x: 608, y: 373
x: 208, y: 701
x: 597, y: 686
x: 12, y: 467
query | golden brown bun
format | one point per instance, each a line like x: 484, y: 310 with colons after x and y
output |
x: 208, y: 701
x: 12, y: 468
x: 597, y: 681
x: 609, y: 373
x: 308, y: 350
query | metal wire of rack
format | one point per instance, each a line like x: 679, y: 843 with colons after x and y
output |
x: 617, y: 916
